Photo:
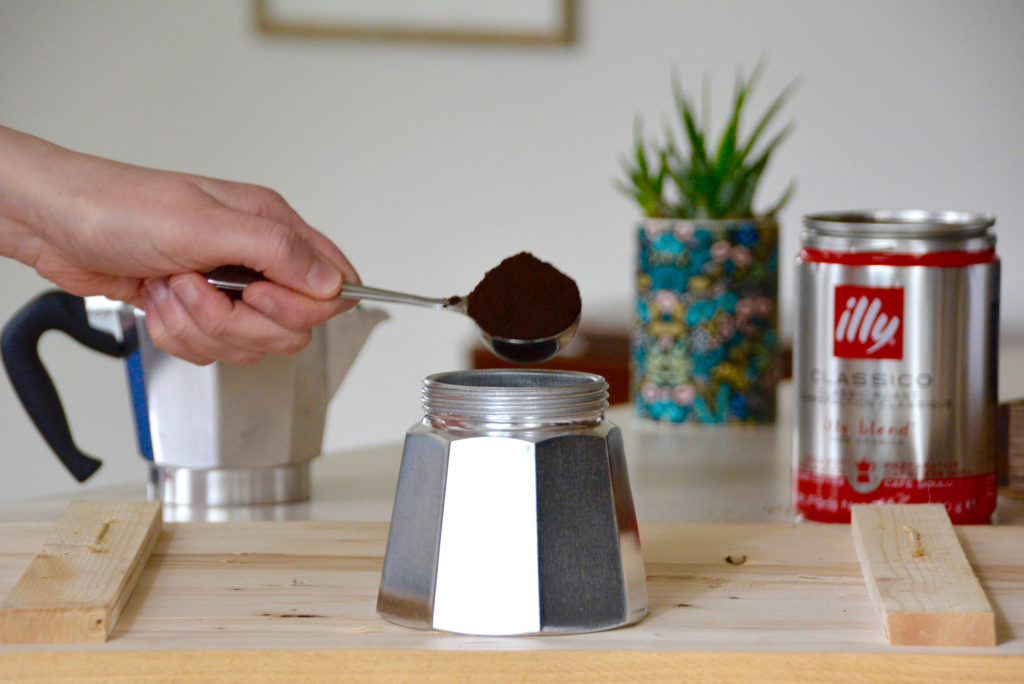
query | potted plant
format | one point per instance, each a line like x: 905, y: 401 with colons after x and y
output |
x: 705, y: 338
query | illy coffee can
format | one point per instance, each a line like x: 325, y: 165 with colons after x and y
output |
x: 895, y: 361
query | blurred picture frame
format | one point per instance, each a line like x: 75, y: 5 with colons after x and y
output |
x: 491, y: 22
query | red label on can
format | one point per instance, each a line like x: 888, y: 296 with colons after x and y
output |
x: 868, y: 322
x: 968, y: 500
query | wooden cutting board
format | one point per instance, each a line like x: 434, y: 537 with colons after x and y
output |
x: 299, y: 598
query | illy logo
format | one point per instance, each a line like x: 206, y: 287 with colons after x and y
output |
x: 868, y: 322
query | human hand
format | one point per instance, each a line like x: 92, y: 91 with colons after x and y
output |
x: 95, y: 226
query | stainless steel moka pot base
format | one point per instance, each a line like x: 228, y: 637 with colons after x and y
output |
x: 513, y: 512
x: 229, y: 486
x: 226, y: 435
x: 216, y: 436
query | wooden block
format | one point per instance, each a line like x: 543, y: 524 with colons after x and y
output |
x: 74, y: 590
x: 921, y: 586
x: 1010, y: 452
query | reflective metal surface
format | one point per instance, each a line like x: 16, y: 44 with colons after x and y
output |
x: 237, y: 278
x: 531, y: 351
x: 922, y: 411
x: 229, y: 435
x: 177, y: 486
x: 944, y: 388
x: 513, y: 512
x: 906, y: 231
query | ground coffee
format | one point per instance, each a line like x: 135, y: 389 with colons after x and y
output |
x: 524, y: 298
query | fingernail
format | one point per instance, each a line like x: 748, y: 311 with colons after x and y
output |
x: 264, y: 305
x: 323, y: 277
x: 157, y: 289
x: 185, y: 291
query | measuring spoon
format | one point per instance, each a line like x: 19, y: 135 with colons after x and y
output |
x: 234, y: 279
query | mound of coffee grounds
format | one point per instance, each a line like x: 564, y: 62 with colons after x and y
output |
x: 524, y: 298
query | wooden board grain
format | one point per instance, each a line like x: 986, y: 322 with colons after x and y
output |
x: 260, y: 598
x: 75, y: 588
x: 502, y: 666
x: 919, y: 580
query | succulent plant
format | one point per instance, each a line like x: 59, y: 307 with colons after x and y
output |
x: 705, y: 183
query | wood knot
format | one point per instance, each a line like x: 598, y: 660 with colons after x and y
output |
x: 917, y: 551
x: 97, y: 546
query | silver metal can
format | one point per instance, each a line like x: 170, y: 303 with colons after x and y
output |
x: 895, y: 360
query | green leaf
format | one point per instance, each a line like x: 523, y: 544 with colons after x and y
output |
x: 770, y: 147
x: 727, y: 155
x: 758, y: 166
x: 694, y: 134
x: 669, y: 179
x: 769, y: 114
x: 790, y: 189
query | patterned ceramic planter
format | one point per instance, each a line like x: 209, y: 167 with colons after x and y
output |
x: 705, y: 342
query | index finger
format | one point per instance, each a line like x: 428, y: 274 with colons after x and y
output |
x: 257, y: 200
x: 274, y: 249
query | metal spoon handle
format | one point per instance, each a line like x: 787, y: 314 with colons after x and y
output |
x: 234, y: 279
x: 352, y: 291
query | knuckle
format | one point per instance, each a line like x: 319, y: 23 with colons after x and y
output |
x: 246, y: 357
x: 177, y: 327
x: 260, y: 200
x: 316, y: 312
x: 217, y: 327
x: 169, y: 345
x: 160, y: 340
x: 164, y: 339
x: 269, y: 196
x: 157, y: 332
x: 282, y: 242
x: 293, y: 343
x: 302, y: 321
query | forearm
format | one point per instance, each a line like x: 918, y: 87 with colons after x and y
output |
x: 30, y: 195
x: 95, y: 226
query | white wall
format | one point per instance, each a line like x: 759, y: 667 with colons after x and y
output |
x: 430, y: 163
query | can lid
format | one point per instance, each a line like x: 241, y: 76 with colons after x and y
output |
x: 899, y: 223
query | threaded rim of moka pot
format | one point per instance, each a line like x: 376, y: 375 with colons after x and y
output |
x: 511, y: 399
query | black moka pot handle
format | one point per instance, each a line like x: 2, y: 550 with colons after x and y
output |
x: 52, y: 310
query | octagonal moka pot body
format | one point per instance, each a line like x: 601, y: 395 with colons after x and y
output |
x: 513, y: 512
x: 214, y: 436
